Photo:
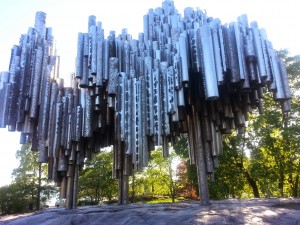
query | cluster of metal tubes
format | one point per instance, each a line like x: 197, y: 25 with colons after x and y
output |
x: 185, y: 75
x: 34, y: 101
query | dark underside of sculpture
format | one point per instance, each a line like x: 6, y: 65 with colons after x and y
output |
x: 186, y: 75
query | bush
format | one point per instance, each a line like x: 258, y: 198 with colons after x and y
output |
x: 12, y: 199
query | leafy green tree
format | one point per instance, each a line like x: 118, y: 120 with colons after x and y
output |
x: 13, y: 199
x: 275, y: 146
x: 32, y: 176
x: 27, y: 189
x: 272, y: 141
x: 95, y: 180
x: 27, y: 177
x: 159, y: 177
x: 233, y: 177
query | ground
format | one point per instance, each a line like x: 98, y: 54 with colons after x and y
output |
x: 230, y: 211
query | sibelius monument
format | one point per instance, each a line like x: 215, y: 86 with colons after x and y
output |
x: 185, y: 75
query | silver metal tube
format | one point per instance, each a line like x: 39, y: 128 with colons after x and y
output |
x: 171, y: 90
x: 149, y: 96
x: 79, y: 58
x: 87, y: 130
x: 43, y: 152
x: 57, y: 130
x: 100, y: 57
x: 285, y: 80
x: 36, y: 83
x: 39, y: 24
x: 233, y: 65
x: 64, y: 121
x: 200, y: 161
x: 4, y: 103
x: 86, y: 50
x: 106, y: 60
x: 113, y: 75
x: 184, y: 58
x: 156, y: 104
x: 279, y: 92
x: 44, y: 108
x: 259, y: 51
x: 209, y: 148
x: 120, y: 103
x: 240, y: 50
x: 137, y: 123
x: 78, y: 123
x: 93, y: 49
x: 217, y: 51
x: 211, y: 87
x: 84, y: 82
x: 127, y: 114
x: 250, y: 57
x: 265, y: 47
x: 163, y: 88
x: 143, y: 151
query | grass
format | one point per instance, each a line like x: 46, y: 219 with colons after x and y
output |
x: 161, y: 200
x: 155, y: 199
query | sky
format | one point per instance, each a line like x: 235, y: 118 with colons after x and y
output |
x: 68, y: 17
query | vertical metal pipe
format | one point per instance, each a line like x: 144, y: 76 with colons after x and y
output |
x: 279, y: 92
x: 36, y: 83
x: 79, y: 58
x: 5, y: 91
x: 100, y: 57
x: 156, y: 103
x: 184, y: 58
x: 113, y: 75
x: 232, y: 55
x: 39, y: 24
x: 93, y: 49
x: 259, y: 51
x: 163, y: 88
x: 75, y: 187
x: 211, y: 87
x: 149, y: 99
x: 217, y: 51
x: 200, y: 161
x: 87, y: 130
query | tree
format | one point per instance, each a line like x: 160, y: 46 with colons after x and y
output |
x: 32, y: 177
x: 234, y: 166
x: 13, y: 199
x: 272, y: 139
x: 26, y: 189
x: 159, y: 177
x: 186, y: 189
x: 191, y: 181
x: 275, y: 158
x: 95, y: 180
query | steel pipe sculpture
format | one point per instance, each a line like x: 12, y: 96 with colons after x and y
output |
x: 184, y: 75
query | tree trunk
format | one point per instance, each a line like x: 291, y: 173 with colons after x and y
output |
x: 173, y: 197
x: 96, y: 195
x: 38, y: 202
x: 280, y: 184
x: 296, y: 187
x: 252, y: 183
x: 250, y: 180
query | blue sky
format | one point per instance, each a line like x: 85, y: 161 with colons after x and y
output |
x: 67, y: 18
